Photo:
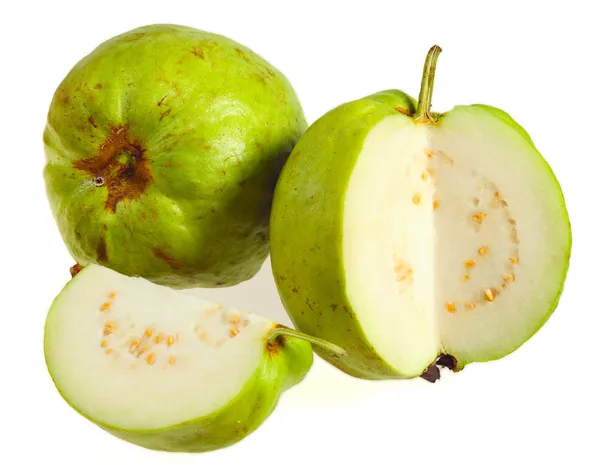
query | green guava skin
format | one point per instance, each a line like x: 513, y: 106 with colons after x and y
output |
x: 306, y: 229
x: 307, y: 225
x: 243, y: 415
x: 285, y: 363
x: 236, y: 420
x: 163, y: 147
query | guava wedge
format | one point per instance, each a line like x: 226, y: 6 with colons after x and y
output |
x: 163, y: 148
x: 164, y: 369
x: 410, y: 238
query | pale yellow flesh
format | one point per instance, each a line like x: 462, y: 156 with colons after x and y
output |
x: 455, y: 239
x: 134, y: 355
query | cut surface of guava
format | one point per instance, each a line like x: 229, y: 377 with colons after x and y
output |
x: 456, y: 239
x: 134, y: 356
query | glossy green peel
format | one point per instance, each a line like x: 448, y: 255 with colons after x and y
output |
x: 163, y: 147
x: 404, y: 235
x: 166, y: 370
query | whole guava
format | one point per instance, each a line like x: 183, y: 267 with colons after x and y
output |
x: 163, y: 148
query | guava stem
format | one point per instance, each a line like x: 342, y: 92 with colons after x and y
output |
x: 283, y: 331
x: 422, y: 114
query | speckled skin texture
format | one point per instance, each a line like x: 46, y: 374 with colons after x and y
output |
x: 306, y: 230
x: 163, y: 147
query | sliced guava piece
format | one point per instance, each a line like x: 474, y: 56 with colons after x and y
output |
x: 408, y: 237
x: 164, y: 369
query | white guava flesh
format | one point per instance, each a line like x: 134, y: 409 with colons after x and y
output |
x: 163, y: 365
x: 456, y: 239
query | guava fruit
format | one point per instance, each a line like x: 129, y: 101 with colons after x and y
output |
x: 164, y: 369
x: 163, y: 148
x: 410, y: 238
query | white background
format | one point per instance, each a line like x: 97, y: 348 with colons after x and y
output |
x: 538, y: 62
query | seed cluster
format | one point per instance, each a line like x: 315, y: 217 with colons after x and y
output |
x: 153, y: 346
x: 234, y: 324
x: 145, y: 346
x: 489, y: 294
x: 484, y: 204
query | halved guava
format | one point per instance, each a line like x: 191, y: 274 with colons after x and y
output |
x: 404, y: 236
x: 163, y: 369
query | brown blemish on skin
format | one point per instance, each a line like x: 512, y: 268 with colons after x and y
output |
x: 136, y: 36
x: 75, y: 269
x: 404, y: 111
x: 164, y: 114
x: 92, y: 122
x: 62, y: 96
x: 160, y: 254
x: 81, y: 86
x: 98, y: 86
x: 198, y: 52
x: 275, y: 344
x: 101, y: 252
x: 123, y: 180
x: 242, y: 54
x: 160, y: 102
x: 262, y: 77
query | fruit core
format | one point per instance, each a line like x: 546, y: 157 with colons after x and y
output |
x: 160, y: 345
x: 484, y: 232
